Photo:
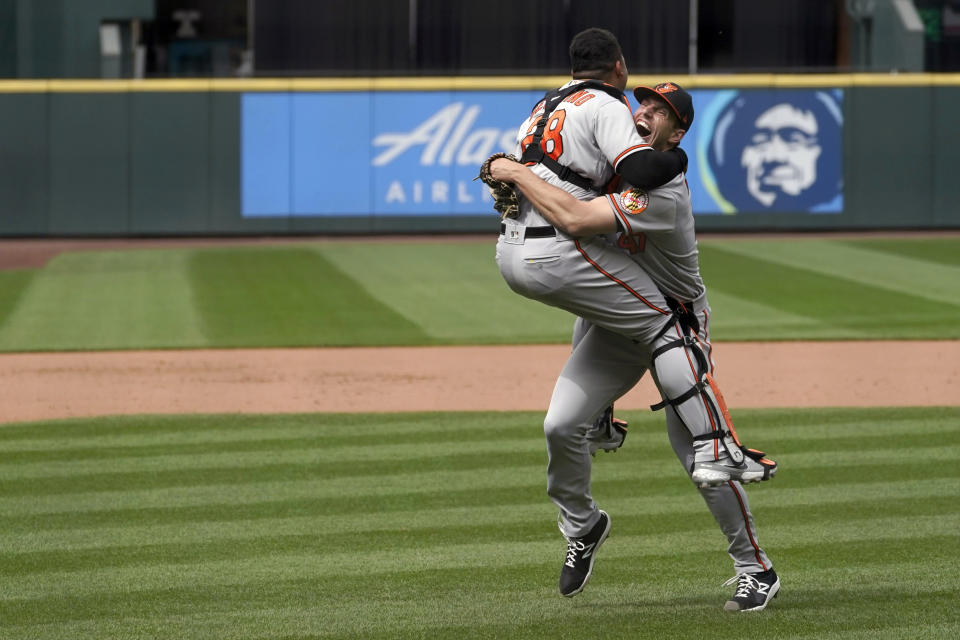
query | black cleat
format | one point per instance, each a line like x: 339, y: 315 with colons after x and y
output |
x: 581, y: 553
x: 608, y: 433
x: 754, y: 591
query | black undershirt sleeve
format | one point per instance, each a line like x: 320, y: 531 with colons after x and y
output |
x: 651, y: 169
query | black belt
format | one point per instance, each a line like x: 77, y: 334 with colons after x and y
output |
x: 534, y: 232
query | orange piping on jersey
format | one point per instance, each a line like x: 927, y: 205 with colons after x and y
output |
x: 746, y: 520
x: 629, y: 151
x: 619, y: 282
x: 614, y: 184
x: 623, y: 217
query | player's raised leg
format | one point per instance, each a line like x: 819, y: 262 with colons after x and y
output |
x: 681, y: 373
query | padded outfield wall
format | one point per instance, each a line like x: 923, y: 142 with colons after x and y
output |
x: 384, y: 155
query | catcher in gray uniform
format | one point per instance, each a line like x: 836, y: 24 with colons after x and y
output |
x: 642, y: 306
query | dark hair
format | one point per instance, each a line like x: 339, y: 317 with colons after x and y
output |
x: 594, y: 49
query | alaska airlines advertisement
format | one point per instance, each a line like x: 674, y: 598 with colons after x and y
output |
x: 416, y: 153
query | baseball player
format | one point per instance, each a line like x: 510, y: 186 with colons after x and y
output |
x: 631, y: 322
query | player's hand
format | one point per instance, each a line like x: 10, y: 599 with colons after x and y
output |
x: 504, y: 169
x: 504, y: 197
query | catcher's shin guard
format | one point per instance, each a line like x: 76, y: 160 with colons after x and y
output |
x: 707, y: 418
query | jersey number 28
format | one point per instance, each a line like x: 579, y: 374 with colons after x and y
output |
x: 552, y: 141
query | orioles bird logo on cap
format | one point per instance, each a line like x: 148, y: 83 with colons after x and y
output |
x: 665, y: 87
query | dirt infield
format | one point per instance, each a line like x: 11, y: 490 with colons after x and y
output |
x: 753, y: 375
x: 59, y: 385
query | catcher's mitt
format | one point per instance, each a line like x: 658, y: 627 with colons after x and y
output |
x: 504, y: 197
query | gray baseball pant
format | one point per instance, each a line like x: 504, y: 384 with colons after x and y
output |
x: 601, y: 368
x: 604, y: 286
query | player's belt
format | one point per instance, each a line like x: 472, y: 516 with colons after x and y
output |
x: 534, y: 232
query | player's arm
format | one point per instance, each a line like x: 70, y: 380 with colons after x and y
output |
x: 651, y: 168
x: 574, y: 217
x: 632, y: 158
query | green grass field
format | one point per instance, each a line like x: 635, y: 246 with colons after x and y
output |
x: 437, y: 526
x: 359, y: 293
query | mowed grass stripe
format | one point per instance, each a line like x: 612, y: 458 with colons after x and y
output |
x: 384, y: 459
x: 453, y: 290
x: 271, y: 448
x: 102, y: 480
x: 482, y: 582
x: 263, y: 501
x: 122, y: 436
x: 342, y: 561
x: 871, y: 310
x: 877, y: 529
x: 322, y: 536
x: 106, y: 300
x: 373, y: 459
x: 684, y: 501
x: 283, y: 296
x: 482, y: 597
x: 398, y: 502
x: 271, y: 434
x: 906, y: 631
x: 681, y: 568
x: 735, y: 317
x: 849, y: 260
x: 515, y: 613
x: 415, y: 461
x: 12, y: 285
x: 939, y: 250
x: 365, y: 465
x: 119, y: 430
x: 265, y: 441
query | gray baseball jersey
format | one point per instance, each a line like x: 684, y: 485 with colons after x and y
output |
x: 657, y: 230
x: 591, y: 132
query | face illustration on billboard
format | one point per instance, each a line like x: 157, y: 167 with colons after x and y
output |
x: 773, y: 151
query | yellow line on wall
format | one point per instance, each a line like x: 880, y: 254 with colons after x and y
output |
x: 471, y: 83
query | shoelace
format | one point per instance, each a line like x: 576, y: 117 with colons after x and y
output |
x: 745, y: 584
x: 573, y: 546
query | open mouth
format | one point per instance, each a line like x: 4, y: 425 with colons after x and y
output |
x: 642, y: 128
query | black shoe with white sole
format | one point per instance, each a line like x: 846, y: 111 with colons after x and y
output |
x: 608, y: 433
x: 581, y: 553
x: 754, y: 591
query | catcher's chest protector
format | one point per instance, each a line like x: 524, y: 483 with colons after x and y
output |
x: 534, y: 152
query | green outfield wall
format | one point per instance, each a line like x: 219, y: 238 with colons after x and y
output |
x: 165, y: 157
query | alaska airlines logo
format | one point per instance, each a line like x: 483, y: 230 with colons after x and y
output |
x: 447, y: 137
x: 777, y: 151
